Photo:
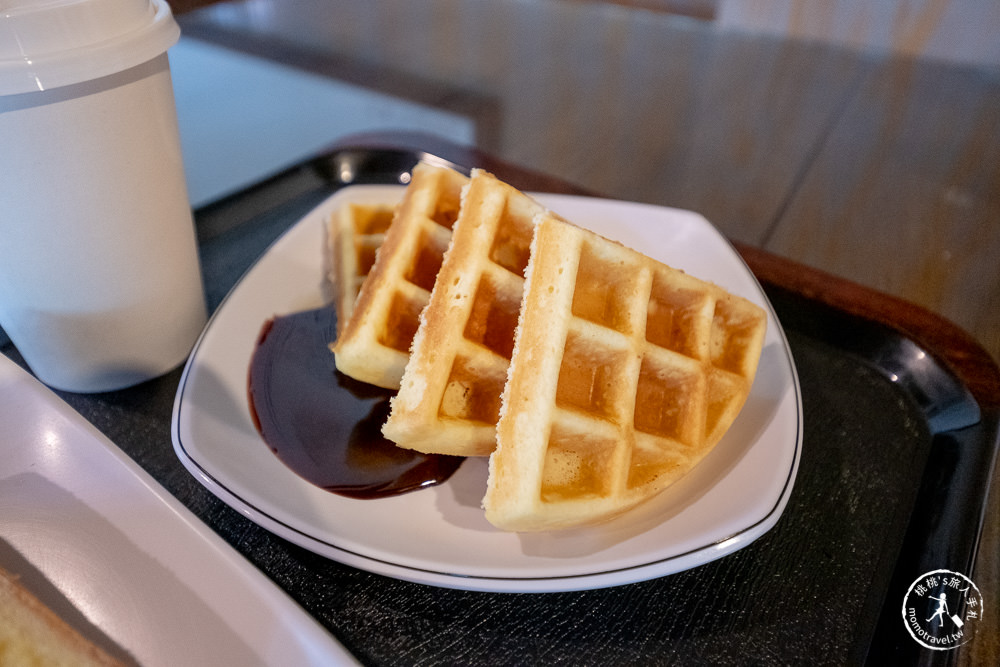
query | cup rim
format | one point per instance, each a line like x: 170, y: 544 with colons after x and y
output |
x: 137, y: 44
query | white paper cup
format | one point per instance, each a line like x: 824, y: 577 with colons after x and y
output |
x: 100, y: 284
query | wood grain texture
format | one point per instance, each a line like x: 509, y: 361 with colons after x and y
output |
x: 883, y: 171
x: 904, y: 196
x: 636, y: 105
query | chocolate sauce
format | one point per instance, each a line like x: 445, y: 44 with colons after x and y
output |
x: 322, y: 424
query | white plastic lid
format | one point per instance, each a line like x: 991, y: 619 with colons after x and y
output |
x: 50, y: 43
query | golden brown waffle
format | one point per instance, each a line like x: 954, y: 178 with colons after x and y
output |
x: 374, y: 344
x: 356, y: 230
x: 625, y: 374
x: 449, y: 400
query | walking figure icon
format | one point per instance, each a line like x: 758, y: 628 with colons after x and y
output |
x: 942, y: 609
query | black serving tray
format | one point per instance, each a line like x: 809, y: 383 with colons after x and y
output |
x: 892, y: 483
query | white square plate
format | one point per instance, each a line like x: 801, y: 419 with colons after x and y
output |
x: 439, y: 535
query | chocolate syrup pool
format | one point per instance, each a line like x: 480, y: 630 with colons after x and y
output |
x: 322, y: 424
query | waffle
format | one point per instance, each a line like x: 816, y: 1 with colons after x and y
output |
x: 356, y: 231
x: 374, y: 345
x: 625, y: 373
x: 449, y: 400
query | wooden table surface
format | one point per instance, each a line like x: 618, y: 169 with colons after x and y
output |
x: 879, y: 169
